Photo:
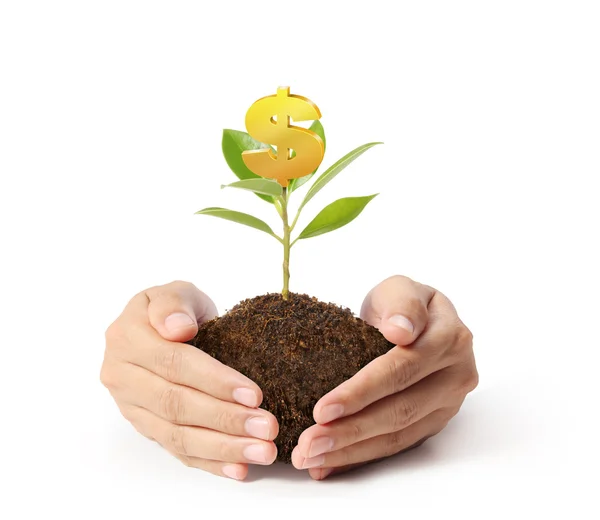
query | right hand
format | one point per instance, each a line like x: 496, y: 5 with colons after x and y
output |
x: 204, y: 413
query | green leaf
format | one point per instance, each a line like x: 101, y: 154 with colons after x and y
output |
x: 235, y: 142
x: 336, y: 215
x: 318, y: 129
x: 260, y: 185
x: 240, y: 218
x: 333, y: 170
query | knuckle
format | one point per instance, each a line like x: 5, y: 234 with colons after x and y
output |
x: 416, y: 310
x: 120, y: 339
x: 394, y: 442
x: 460, y: 341
x: 343, y: 457
x: 355, y: 432
x: 403, y: 413
x: 114, y: 333
x: 389, y: 377
x: 108, y: 377
x: 394, y: 418
x: 178, y: 440
x: 224, y: 421
x: 472, y: 380
x: 401, y: 372
x: 170, y: 361
x: 227, y: 452
x: 464, y: 336
x: 172, y: 404
x: 105, y: 377
x: 467, y: 376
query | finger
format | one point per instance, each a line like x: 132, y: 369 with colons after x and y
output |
x: 323, y: 473
x: 234, y: 471
x: 376, y: 447
x: 386, y: 375
x: 399, y: 368
x: 132, y: 339
x: 222, y: 469
x: 192, y: 441
x: 398, y: 308
x: 175, y: 310
x: 186, y: 406
x: 387, y: 415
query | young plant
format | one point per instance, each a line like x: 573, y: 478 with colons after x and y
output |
x: 333, y: 216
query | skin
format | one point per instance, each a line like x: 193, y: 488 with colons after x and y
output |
x: 207, y: 414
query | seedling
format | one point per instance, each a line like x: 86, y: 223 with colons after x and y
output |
x: 298, y: 350
x: 332, y: 217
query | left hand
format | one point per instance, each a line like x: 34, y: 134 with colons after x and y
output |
x: 402, y: 398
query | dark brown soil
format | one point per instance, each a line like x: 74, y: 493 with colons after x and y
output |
x: 296, y: 350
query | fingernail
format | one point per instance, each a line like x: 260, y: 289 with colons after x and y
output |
x: 233, y: 472
x: 258, y: 427
x: 178, y: 320
x: 256, y: 453
x: 313, y: 462
x: 331, y: 412
x: 326, y: 472
x: 402, y: 322
x: 320, y: 445
x: 246, y: 397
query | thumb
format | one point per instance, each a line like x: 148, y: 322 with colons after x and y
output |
x: 175, y: 310
x: 398, y: 308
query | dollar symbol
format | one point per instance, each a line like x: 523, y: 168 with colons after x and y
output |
x: 268, y: 121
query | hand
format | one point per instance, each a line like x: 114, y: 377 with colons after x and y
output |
x: 402, y: 398
x: 203, y: 412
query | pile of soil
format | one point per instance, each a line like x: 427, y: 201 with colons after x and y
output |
x: 296, y: 350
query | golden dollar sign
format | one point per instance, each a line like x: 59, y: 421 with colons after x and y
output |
x: 268, y: 121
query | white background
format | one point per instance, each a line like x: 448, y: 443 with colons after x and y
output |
x: 110, y: 125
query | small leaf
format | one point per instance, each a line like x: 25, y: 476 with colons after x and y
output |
x: 240, y: 218
x: 318, y: 129
x: 332, y: 171
x: 336, y: 215
x: 233, y: 144
x: 263, y: 186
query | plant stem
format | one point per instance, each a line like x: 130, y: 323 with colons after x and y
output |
x: 286, y: 245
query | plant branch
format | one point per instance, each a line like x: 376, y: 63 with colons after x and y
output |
x: 278, y: 206
x: 295, y: 220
